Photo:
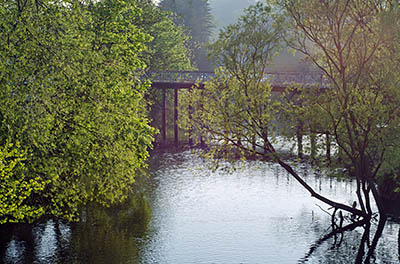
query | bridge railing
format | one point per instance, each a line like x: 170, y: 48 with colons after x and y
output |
x: 276, y: 78
x: 180, y: 76
x: 302, y: 78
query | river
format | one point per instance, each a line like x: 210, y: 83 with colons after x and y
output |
x: 255, y: 213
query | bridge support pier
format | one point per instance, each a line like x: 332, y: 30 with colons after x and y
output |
x: 299, y: 136
x: 176, y: 116
x: 313, y: 141
x: 163, y: 117
x: 190, y: 110
x: 328, y: 147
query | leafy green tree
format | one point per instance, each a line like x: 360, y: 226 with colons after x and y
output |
x: 237, y: 112
x: 16, y: 186
x: 195, y: 15
x: 361, y: 108
x: 235, y: 108
x: 70, y: 97
x: 168, y: 49
x: 354, y: 44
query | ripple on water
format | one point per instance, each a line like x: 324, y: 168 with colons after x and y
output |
x: 46, y: 242
x: 255, y: 214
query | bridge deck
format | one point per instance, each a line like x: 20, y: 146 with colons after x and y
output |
x: 278, y: 80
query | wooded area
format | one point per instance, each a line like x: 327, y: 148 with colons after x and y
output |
x: 76, y: 109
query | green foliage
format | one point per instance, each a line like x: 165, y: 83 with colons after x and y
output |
x: 70, y: 95
x: 168, y: 49
x: 236, y: 109
x: 355, y: 44
x: 17, y: 187
x: 360, y: 108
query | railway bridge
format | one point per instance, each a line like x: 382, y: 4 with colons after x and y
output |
x: 177, y: 80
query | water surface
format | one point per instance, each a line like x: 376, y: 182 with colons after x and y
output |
x: 255, y: 214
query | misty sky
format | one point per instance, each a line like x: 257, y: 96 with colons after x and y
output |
x: 226, y: 12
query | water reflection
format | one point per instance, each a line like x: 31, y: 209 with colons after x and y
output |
x: 46, y: 242
x: 15, y: 251
x: 105, y: 236
x: 257, y: 214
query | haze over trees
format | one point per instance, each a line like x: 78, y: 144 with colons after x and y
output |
x: 169, y: 47
x: 226, y: 12
x: 195, y: 15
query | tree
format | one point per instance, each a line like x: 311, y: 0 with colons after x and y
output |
x: 236, y: 112
x: 196, y: 16
x: 362, y: 107
x: 70, y: 97
x: 168, y: 49
x: 16, y: 186
x: 353, y: 43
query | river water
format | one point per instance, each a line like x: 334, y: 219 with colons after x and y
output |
x: 256, y: 213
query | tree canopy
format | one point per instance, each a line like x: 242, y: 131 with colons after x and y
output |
x: 73, y: 115
x: 169, y: 47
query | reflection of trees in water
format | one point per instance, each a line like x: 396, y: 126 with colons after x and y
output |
x: 17, y: 233
x: 119, y: 234
x: 353, y: 243
x: 106, y: 235
x: 114, y: 232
